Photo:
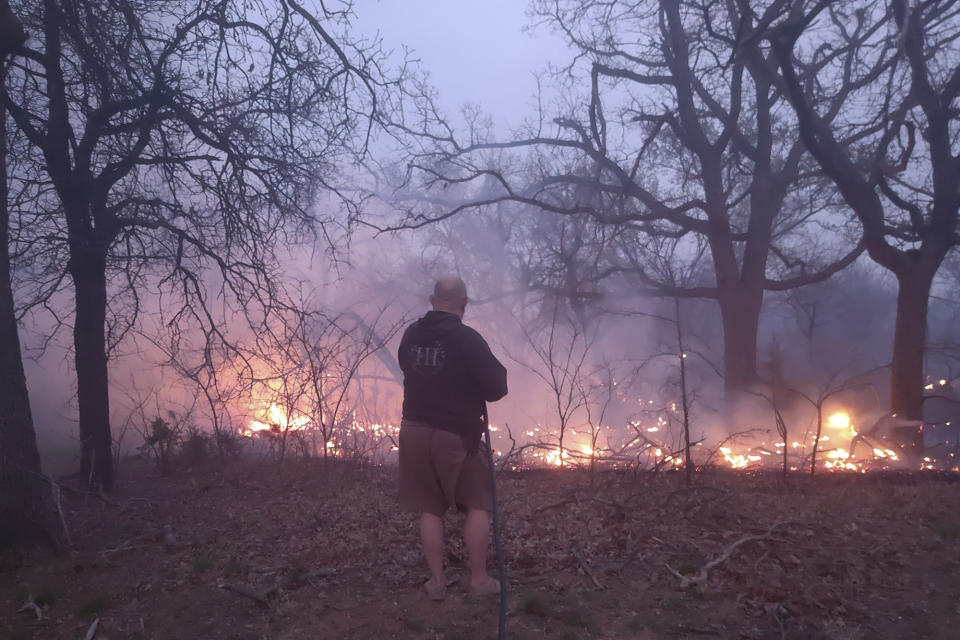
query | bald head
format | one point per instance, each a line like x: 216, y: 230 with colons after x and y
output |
x: 450, y: 295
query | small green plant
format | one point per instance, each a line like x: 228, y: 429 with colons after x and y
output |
x: 92, y: 608
x: 41, y: 596
x: 578, y: 616
x: 202, y: 560
x: 533, y: 605
x: 234, y: 567
x: 946, y: 529
x: 44, y: 598
x: 415, y: 624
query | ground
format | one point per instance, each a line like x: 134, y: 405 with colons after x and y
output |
x: 304, y: 549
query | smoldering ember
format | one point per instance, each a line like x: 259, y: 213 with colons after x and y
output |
x: 713, y: 244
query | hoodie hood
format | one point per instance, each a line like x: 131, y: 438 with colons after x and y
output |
x: 437, y: 323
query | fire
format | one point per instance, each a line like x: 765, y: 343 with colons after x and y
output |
x: 555, y: 457
x: 738, y: 460
x: 839, y: 420
x: 840, y: 459
x: 277, y: 419
x: 885, y: 453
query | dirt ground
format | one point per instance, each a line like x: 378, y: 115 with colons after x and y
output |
x: 307, y: 550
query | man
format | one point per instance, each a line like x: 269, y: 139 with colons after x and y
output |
x: 448, y: 375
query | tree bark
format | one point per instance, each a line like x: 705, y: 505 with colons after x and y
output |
x: 27, y: 514
x: 88, y: 268
x: 740, y: 313
x: 909, y: 343
x: 933, y: 226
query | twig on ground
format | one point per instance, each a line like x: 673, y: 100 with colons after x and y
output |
x: 703, y: 632
x: 663, y: 542
x: 55, y: 490
x: 587, y: 570
x: 246, y: 592
x: 688, y: 581
x: 92, y: 631
x: 32, y: 606
x: 783, y: 628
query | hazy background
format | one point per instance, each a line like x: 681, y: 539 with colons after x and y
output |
x: 488, y: 55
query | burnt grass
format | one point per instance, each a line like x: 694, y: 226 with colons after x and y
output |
x: 305, y: 549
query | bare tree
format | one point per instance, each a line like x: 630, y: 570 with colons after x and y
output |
x: 27, y: 512
x: 182, y: 141
x: 680, y: 141
x: 562, y: 360
x: 865, y: 80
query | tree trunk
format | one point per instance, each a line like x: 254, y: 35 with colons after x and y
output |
x: 909, y: 342
x: 27, y: 513
x: 88, y: 268
x: 740, y: 314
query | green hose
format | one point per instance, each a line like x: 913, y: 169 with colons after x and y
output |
x: 501, y: 566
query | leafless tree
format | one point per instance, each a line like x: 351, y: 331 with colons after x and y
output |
x: 875, y: 89
x: 680, y: 141
x: 27, y: 513
x: 180, y: 143
x: 562, y: 359
x: 312, y: 372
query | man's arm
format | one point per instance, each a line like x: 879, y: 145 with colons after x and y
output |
x: 490, y: 375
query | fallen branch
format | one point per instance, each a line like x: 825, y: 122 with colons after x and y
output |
x: 680, y: 628
x: 587, y: 570
x: 246, y: 592
x: 55, y: 490
x: 688, y: 581
x: 32, y: 606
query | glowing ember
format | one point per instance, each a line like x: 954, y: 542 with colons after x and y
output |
x: 840, y: 459
x: 738, y: 460
x: 885, y: 453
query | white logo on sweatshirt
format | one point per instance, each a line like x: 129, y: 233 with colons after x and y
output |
x: 429, y: 359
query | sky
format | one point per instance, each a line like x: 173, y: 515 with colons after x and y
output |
x: 475, y: 52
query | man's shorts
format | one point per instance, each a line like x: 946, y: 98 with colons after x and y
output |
x: 437, y: 473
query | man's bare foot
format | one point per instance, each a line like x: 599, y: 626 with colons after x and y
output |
x: 435, y: 590
x: 486, y: 586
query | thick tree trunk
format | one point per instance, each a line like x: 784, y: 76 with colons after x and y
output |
x: 740, y: 314
x: 27, y: 514
x: 909, y: 342
x: 88, y: 268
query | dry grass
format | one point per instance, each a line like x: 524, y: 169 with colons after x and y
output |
x: 309, y: 551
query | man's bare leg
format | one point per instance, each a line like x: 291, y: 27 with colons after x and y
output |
x: 476, y: 536
x: 431, y: 538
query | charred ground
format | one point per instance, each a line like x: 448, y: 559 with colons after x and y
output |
x: 322, y: 551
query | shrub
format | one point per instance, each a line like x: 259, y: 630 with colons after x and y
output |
x: 196, y: 448
x: 160, y: 441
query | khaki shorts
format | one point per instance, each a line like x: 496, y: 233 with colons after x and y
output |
x: 437, y: 473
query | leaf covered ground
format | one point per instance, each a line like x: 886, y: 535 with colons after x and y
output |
x: 312, y: 550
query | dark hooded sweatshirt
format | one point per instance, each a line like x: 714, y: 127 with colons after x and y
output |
x: 448, y: 374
